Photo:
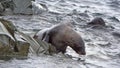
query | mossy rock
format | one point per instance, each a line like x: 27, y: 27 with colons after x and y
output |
x: 9, y: 26
x: 6, y: 52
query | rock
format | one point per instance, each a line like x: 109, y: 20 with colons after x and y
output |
x: 97, y: 21
x: 7, y: 53
x: 15, y: 44
x: 16, y: 6
x: 22, y: 6
x: 38, y: 8
x: 9, y: 26
x: 1, y: 9
x: 10, y: 46
x: 7, y: 7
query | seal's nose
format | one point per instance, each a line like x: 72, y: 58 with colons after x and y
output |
x: 83, y: 53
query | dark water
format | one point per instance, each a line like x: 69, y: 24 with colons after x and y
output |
x: 102, y: 44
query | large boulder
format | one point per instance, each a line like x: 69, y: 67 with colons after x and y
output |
x: 11, y: 46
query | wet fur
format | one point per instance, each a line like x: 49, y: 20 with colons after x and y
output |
x: 62, y: 36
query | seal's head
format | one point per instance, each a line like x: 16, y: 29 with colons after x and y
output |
x: 80, y: 49
x: 78, y: 45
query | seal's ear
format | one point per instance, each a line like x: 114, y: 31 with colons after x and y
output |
x: 46, y: 37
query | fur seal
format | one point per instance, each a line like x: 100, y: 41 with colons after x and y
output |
x: 97, y: 21
x: 61, y: 36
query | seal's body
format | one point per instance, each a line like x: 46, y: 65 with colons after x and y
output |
x: 62, y: 36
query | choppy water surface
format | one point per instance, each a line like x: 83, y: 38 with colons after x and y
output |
x: 102, y: 44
